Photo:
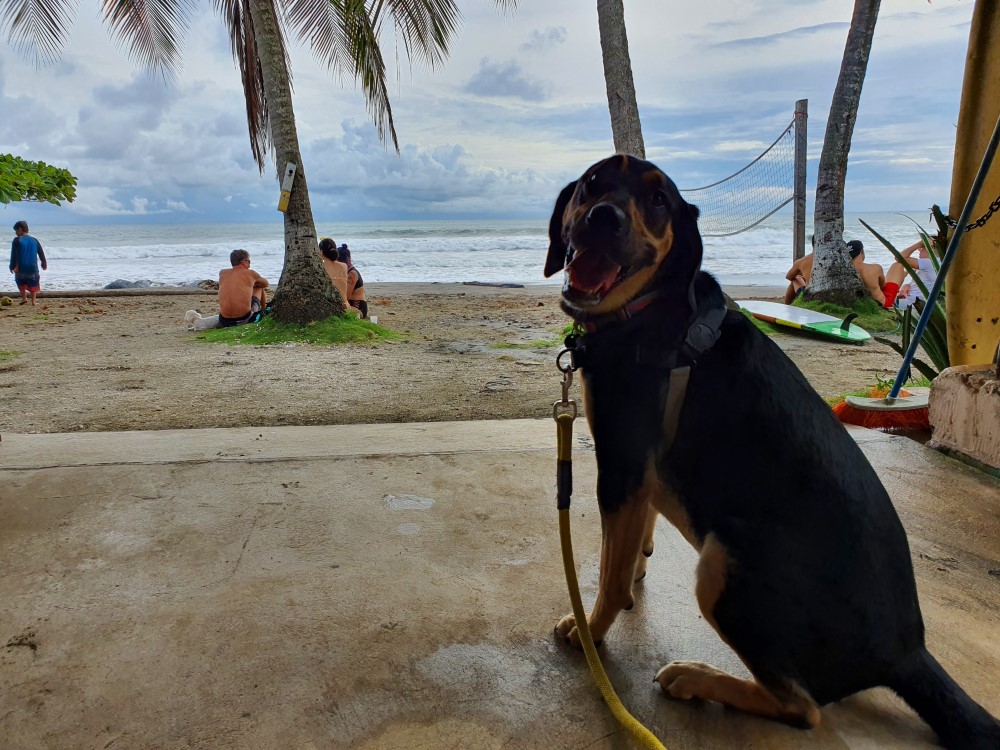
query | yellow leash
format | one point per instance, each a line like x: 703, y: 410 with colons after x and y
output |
x: 564, y: 412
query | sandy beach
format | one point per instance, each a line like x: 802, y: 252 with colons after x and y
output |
x: 126, y: 362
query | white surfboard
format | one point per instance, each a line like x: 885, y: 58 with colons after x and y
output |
x: 806, y: 320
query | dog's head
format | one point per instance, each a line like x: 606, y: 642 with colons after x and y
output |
x: 618, y: 231
x: 190, y: 317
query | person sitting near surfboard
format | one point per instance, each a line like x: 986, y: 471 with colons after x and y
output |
x: 799, y: 275
x: 903, y: 295
x: 871, y: 273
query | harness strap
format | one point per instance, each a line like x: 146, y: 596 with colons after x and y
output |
x: 592, y: 349
x: 679, y: 377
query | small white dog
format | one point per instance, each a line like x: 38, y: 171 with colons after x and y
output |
x: 195, y: 321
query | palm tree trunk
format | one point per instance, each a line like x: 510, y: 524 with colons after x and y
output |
x: 622, y: 104
x: 834, y: 278
x: 305, y: 292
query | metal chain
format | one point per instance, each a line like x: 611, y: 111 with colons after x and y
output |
x: 981, y: 221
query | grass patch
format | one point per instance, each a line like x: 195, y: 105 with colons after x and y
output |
x: 6, y: 355
x: 346, y: 329
x: 537, y: 343
x: 871, y: 315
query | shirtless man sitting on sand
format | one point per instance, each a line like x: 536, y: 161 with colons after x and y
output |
x: 799, y: 274
x: 870, y: 273
x: 241, y: 291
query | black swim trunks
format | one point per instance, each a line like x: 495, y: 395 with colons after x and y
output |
x: 252, y: 317
x: 361, y: 305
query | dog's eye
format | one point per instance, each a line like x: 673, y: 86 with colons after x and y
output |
x: 658, y: 199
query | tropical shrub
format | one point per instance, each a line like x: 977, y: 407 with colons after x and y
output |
x: 23, y: 180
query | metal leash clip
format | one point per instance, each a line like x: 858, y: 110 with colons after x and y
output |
x: 566, y: 405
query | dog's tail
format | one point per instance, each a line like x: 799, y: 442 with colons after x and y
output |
x: 960, y: 722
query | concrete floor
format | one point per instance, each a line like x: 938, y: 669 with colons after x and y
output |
x: 387, y: 586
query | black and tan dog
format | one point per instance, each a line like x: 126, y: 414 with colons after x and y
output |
x: 804, y: 567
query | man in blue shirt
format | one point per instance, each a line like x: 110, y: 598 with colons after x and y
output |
x: 25, y: 252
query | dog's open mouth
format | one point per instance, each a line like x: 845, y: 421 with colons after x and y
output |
x: 590, y: 276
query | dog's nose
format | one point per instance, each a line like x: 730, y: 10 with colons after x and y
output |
x: 606, y: 217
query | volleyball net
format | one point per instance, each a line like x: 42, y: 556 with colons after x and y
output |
x: 764, y: 186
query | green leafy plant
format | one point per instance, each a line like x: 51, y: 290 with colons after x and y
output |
x: 935, y: 337
x: 345, y: 329
x: 23, y: 180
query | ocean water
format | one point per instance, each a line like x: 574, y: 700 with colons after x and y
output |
x: 505, y: 251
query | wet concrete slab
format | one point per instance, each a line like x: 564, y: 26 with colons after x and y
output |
x: 384, y: 586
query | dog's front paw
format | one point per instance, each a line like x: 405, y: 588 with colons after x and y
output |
x: 567, y: 630
x: 685, y: 680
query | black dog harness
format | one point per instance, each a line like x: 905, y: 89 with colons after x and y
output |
x: 596, y: 347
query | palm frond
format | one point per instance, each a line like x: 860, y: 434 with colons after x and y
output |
x: 344, y: 35
x: 426, y: 27
x: 321, y: 23
x: 243, y: 43
x: 37, y: 28
x: 369, y: 68
x: 151, y: 29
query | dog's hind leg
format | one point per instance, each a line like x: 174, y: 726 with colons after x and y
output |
x: 621, y: 537
x: 685, y: 680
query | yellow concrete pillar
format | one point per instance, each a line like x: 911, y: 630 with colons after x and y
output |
x: 973, y: 285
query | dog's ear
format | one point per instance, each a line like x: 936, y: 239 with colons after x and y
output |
x: 557, y: 248
x: 687, y: 239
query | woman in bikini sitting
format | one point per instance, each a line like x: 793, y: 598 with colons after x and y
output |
x: 355, y: 284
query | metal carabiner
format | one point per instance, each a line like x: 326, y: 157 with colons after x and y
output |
x: 565, y: 405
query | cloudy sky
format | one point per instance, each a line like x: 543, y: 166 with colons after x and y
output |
x: 518, y: 110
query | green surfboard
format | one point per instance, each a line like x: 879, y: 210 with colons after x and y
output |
x: 809, y: 321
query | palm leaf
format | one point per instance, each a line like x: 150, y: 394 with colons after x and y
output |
x: 151, y: 29
x: 425, y: 26
x: 344, y: 35
x: 322, y: 24
x: 243, y: 43
x: 37, y: 28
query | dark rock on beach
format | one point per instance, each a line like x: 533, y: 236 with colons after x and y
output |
x: 498, y: 285
x: 123, y: 284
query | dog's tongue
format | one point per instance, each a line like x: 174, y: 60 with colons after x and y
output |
x: 592, y: 272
